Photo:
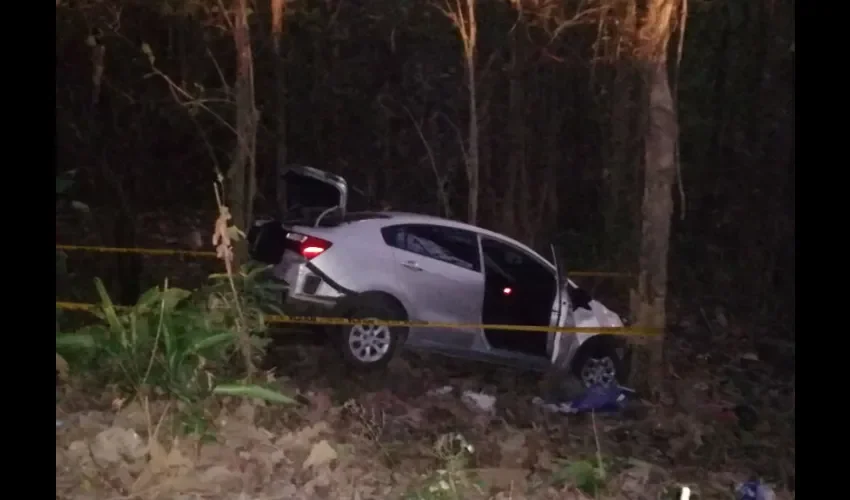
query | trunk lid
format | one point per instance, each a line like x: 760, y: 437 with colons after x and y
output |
x: 306, y: 193
x: 305, y: 197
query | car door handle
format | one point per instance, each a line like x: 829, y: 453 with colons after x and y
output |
x: 412, y: 265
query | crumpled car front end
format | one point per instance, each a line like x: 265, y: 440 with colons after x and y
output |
x: 571, y: 348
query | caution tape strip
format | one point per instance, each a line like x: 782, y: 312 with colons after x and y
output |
x: 198, y: 253
x: 143, y: 251
x: 315, y: 320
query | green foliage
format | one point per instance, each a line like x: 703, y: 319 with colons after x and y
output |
x: 167, y: 345
x: 257, y: 292
x: 587, y: 475
x: 257, y: 296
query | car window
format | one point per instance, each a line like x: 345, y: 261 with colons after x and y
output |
x: 508, y: 262
x: 453, y: 246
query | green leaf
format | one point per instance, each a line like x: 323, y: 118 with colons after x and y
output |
x: 168, y: 339
x: 253, y: 391
x: 173, y: 296
x: 134, y: 340
x: 109, y: 311
x: 212, y: 341
x: 75, y: 341
x: 148, y: 299
x: 254, y: 271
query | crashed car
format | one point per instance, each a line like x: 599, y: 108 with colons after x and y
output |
x: 411, y: 267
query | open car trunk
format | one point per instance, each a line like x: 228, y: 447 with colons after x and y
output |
x: 306, y: 196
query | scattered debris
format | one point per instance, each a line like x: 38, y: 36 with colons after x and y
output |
x: 596, y: 399
x: 441, y: 391
x: 479, y: 401
x: 754, y: 490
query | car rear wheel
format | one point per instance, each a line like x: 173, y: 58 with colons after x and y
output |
x: 367, y: 346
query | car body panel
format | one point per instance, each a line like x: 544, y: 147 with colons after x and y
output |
x: 440, y: 287
x: 443, y: 293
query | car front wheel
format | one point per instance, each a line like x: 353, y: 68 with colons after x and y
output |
x: 598, y: 365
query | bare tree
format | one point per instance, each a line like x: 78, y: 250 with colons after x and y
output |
x: 659, y: 22
x: 462, y: 15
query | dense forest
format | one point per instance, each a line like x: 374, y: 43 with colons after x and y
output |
x: 652, y: 138
x: 147, y: 96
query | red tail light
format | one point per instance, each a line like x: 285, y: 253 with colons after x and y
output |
x: 308, y: 246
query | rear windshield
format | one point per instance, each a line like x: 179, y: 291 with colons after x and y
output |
x: 334, y: 219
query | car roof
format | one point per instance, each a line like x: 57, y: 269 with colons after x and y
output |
x: 412, y: 218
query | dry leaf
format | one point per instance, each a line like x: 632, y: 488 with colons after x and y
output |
x: 320, y: 405
x: 303, y: 437
x: 503, y: 478
x: 117, y: 444
x: 321, y: 454
x: 513, y: 450
x: 61, y: 368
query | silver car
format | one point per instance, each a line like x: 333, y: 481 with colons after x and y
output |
x: 404, y: 266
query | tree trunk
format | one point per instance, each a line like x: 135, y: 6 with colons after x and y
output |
x: 516, y: 126
x: 619, y: 206
x: 278, y: 7
x: 468, y: 25
x: 648, y: 300
x: 462, y: 15
x: 472, y: 163
x: 715, y: 149
x: 242, y: 173
x: 620, y: 164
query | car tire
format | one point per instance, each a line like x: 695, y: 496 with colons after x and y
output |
x: 598, y: 363
x: 369, y: 347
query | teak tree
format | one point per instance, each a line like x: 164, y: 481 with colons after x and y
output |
x: 278, y: 14
x: 462, y: 15
x: 243, y: 165
x: 648, y: 300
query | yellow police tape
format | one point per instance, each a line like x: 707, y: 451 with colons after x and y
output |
x: 143, y: 251
x: 198, y: 253
x: 314, y: 320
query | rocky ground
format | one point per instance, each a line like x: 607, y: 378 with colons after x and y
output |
x: 398, y: 435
